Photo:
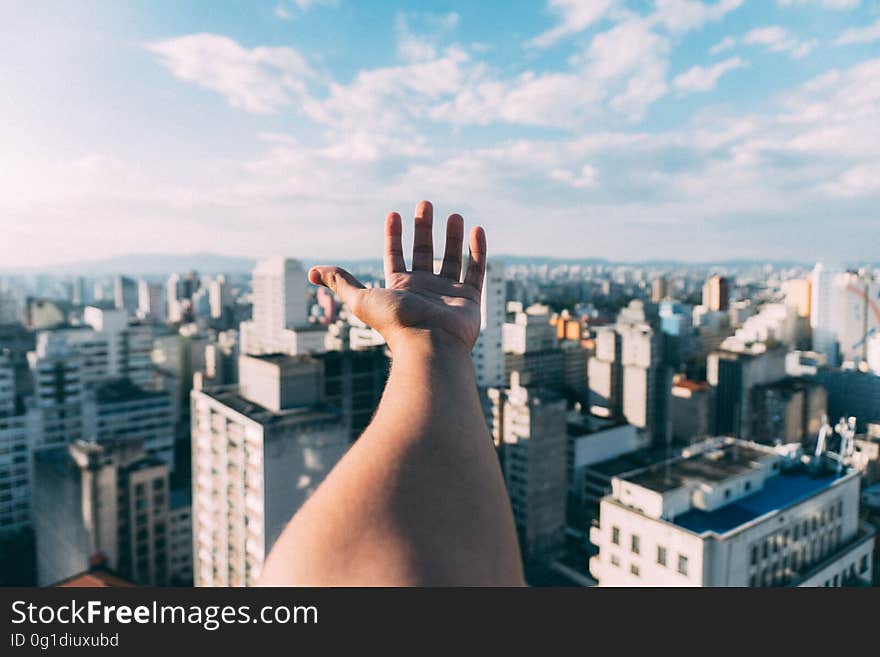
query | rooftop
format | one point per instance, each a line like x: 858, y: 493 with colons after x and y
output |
x: 263, y: 415
x: 779, y: 492
x: 122, y: 390
x: 711, y: 466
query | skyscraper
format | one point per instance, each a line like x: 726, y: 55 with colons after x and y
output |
x: 125, y: 294
x: 488, y: 353
x: 280, y: 323
x: 716, y: 293
x: 530, y: 427
x: 258, y: 453
x: 824, y: 310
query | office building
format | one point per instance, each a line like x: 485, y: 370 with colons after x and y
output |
x: 258, y: 452
x: 530, y: 427
x: 645, y: 380
x: 733, y: 375
x: 116, y: 410
x: 125, y: 294
x: 488, y: 353
x: 689, y: 406
x: 788, y: 411
x: 108, y: 501
x: 716, y: 293
x: 733, y: 513
x: 152, y: 302
x: 280, y: 323
x: 605, y: 374
x: 825, y: 302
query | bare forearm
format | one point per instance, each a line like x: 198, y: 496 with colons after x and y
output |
x: 419, y: 499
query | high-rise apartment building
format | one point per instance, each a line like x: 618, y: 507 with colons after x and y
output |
x: 530, y: 428
x: 825, y: 301
x: 733, y: 375
x: 152, y: 302
x: 788, y: 411
x: 733, y: 513
x: 280, y: 323
x: 716, y: 293
x: 125, y: 294
x: 258, y: 452
x: 116, y: 410
x: 646, y: 379
x: 488, y: 353
x: 605, y: 374
x: 106, y: 500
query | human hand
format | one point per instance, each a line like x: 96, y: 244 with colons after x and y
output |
x: 417, y: 306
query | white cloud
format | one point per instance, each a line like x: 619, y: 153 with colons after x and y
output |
x: 858, y: 181
x: 282, y: 13
x: 827, y: 4
x: 699, y: 78
x: 261, y: 80
x: 777, y: 39
x: 586, y: 177
x: 865, y: 34
x: 726, y: 43
x: 422, y: 45
x: 684, y: 15
x: 620, y: 74
x: 576, y: 16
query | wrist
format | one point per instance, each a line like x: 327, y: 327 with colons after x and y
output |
x: 427, y: 345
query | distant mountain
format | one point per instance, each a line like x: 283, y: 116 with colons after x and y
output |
x: 151, y: 264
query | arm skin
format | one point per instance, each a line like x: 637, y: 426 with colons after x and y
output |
x: 419, y: 499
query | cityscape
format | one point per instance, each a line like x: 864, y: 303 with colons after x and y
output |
x: 678, y: 361
x: 657, y: 425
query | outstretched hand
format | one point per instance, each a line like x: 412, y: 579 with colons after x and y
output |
x: 419, y: 304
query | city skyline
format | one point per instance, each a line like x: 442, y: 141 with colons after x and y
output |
x: 729, y: 130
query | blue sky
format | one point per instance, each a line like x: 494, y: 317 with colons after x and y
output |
x: 622, y: 129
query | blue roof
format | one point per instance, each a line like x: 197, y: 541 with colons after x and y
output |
x: 779, y: 492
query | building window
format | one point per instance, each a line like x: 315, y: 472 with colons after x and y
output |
x: 634, y: 544
x: 661, y: 555
x: 615, y: 535
x: 683, y: 564
x: 748, y: 485
x: 753, y: 580
x: 615, y: 561
x: 634, y: 569
x: 754, y: 559
x: 863, y: 564
x: 726, y: 493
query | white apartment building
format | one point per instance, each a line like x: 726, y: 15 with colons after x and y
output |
x: 733, y: 513
x: 117, y: 410
x: 825, y: 303
x: 529, y: 331
x: 488, y: 353
x: 530, y: 427
x: 280, y: 323
x: 258, y: 452
x: 152, y: 301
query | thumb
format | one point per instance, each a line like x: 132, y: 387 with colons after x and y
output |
x: 346, y: 286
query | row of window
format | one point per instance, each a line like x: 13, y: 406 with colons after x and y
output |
x: 800, y: 530
x: 636, y: 548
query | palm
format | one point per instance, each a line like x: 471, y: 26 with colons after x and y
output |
x: 419, y: 300
x: 424, y: 301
